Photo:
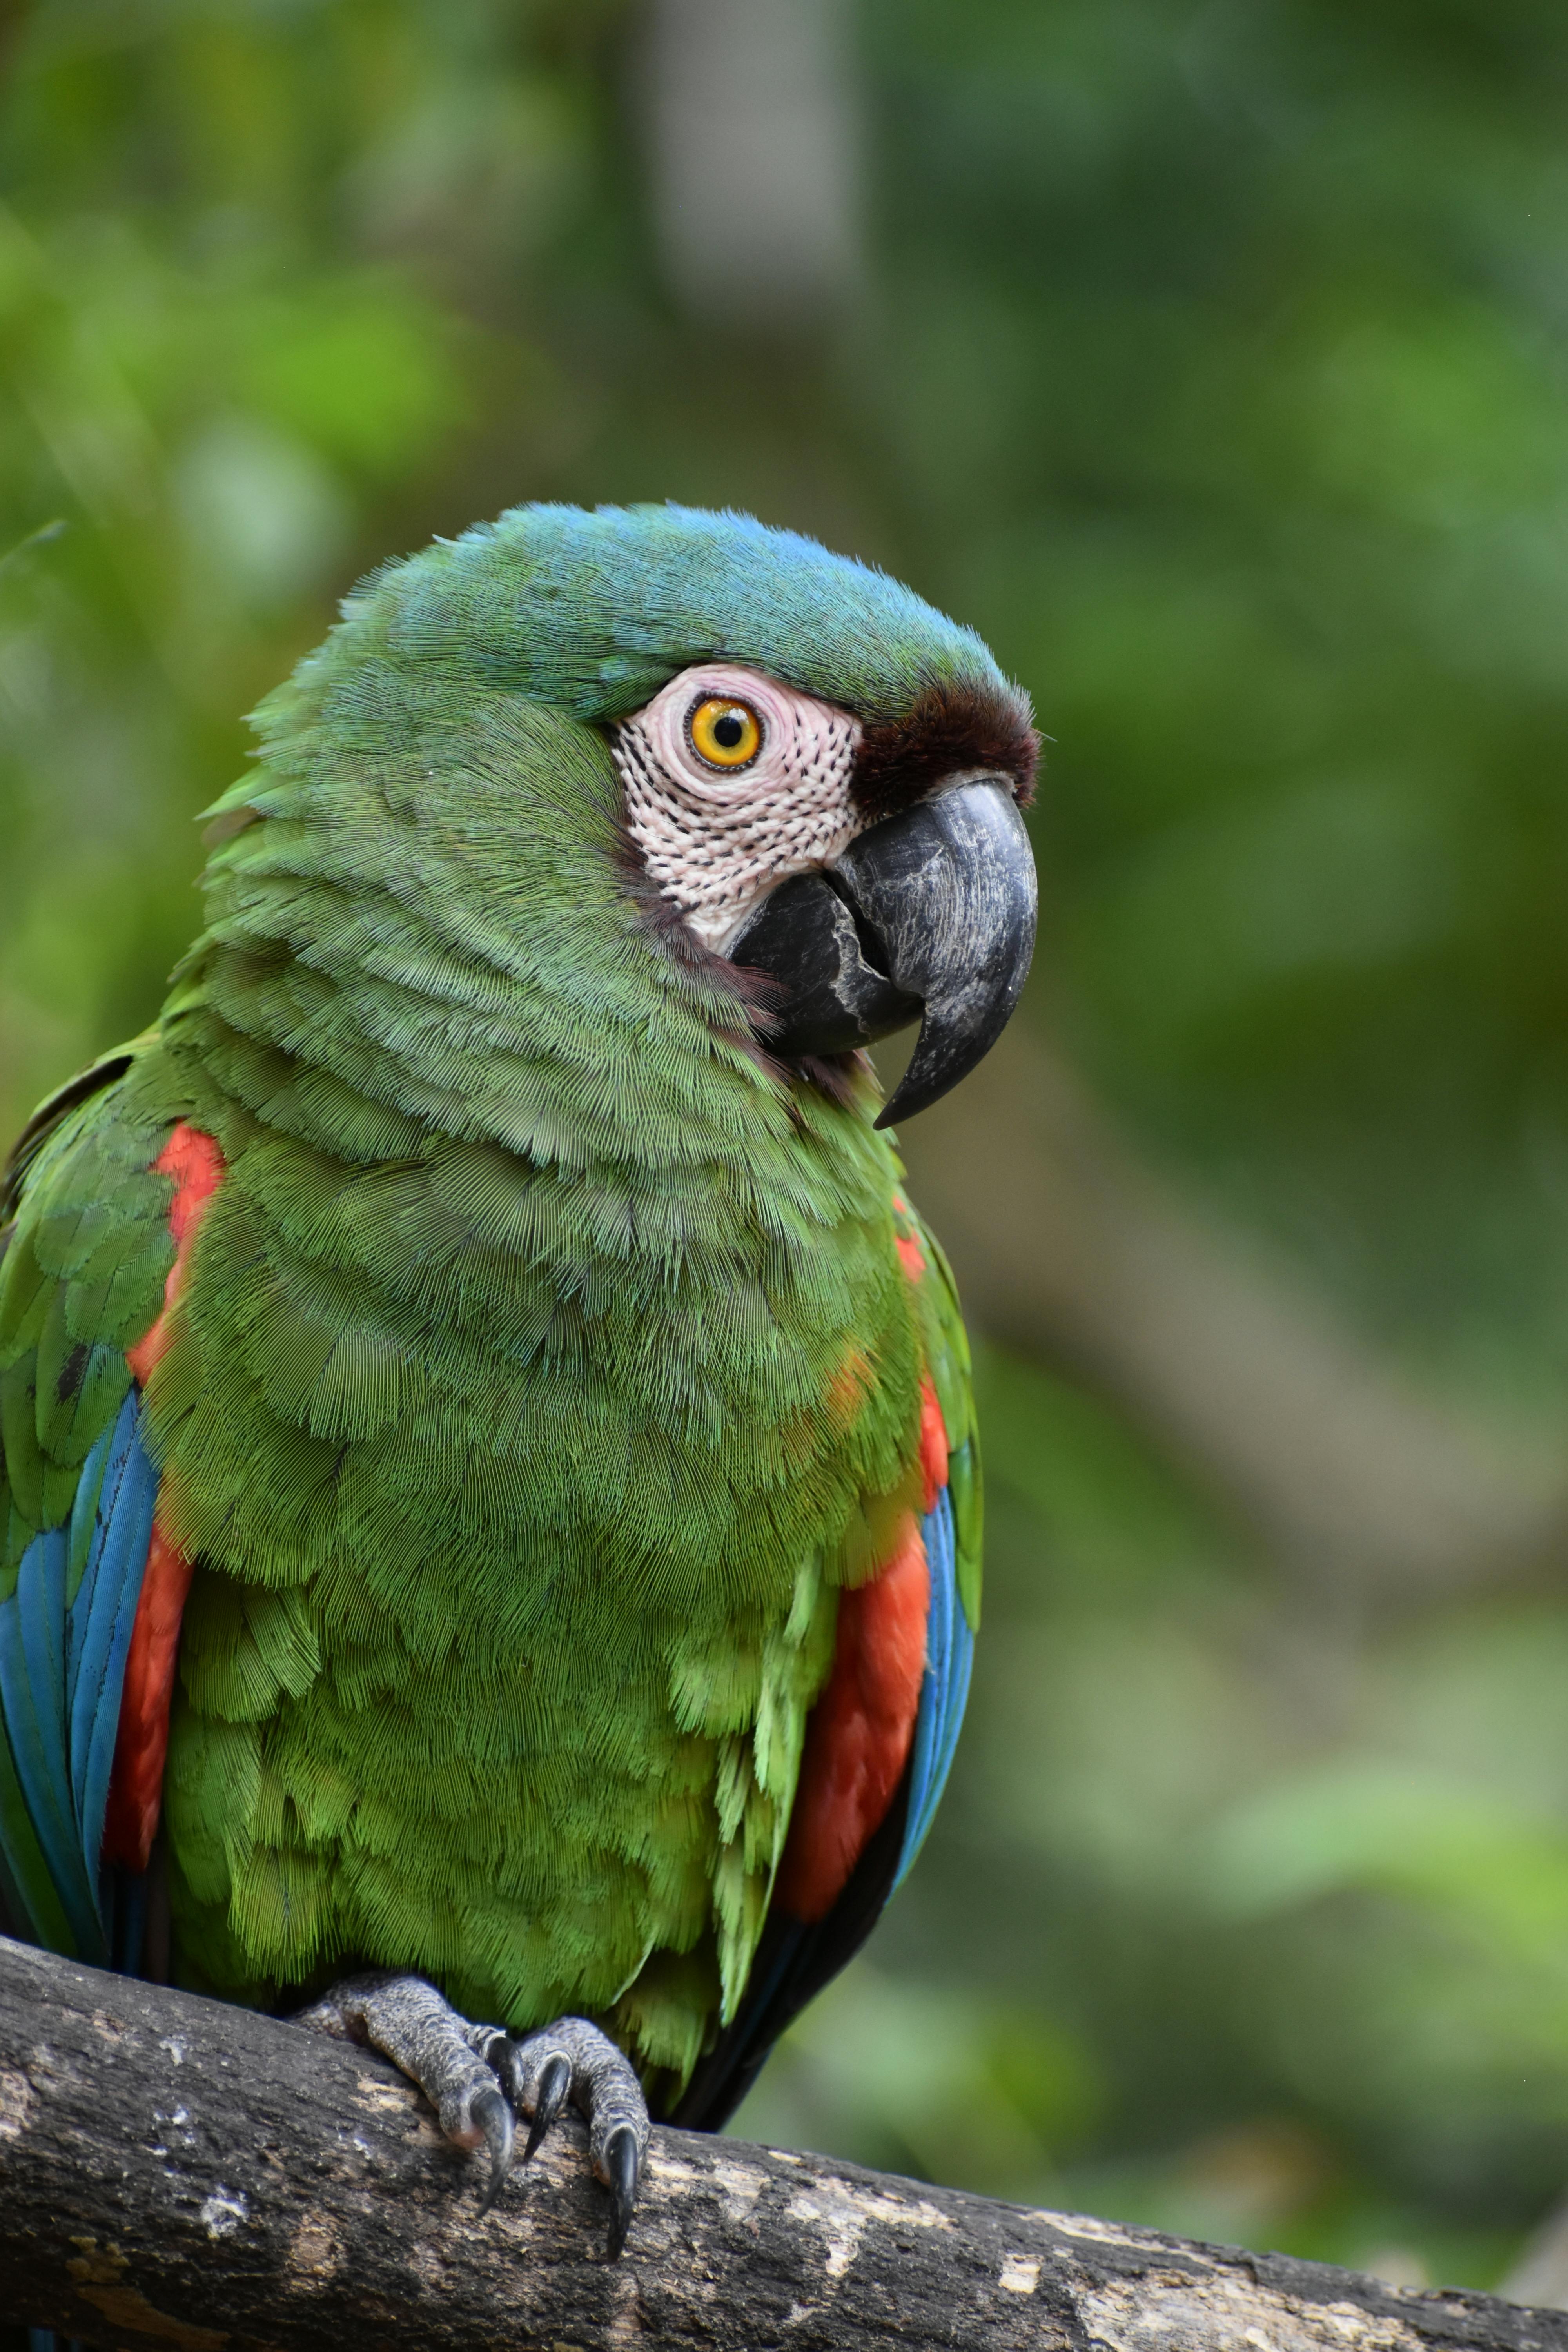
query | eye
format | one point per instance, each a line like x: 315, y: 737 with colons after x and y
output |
x: 726, y: 733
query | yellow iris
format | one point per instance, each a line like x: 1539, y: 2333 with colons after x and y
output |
x: 725, y: 733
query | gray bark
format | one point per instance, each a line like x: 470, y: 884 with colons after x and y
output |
x: 176, y: 2172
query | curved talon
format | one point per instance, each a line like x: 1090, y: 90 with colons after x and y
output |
x: 457, y: 2063
x: 554, y: 2083
x: 493, y: 2116
x: 623, y: 2162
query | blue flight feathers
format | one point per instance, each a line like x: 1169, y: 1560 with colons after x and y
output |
x: 950, y: 1655
x: 62, y: 1672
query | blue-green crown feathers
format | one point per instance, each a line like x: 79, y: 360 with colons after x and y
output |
x: 594, y: 612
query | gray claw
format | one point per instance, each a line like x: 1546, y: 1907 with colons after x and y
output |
x: 554, y: 2083
x: 493, y: 2116
x: 623, y: 2162
x: 456, y: 2063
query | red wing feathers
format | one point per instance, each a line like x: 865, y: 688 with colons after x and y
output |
x: 196, y: 1164
x: 857, y: 1740
x: 141, y: 1740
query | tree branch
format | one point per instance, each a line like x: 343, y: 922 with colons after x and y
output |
x: 177, y: 2173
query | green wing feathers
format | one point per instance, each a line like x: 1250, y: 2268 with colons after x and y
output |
x: 85, y: 1253
x: 945, y: 1347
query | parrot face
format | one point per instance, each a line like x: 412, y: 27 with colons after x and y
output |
x: 737, y: 784
x: 733, y: 782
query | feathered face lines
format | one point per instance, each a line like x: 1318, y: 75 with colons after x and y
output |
x: 733, y: 782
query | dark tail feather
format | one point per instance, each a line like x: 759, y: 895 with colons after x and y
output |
x: 793, y: 1964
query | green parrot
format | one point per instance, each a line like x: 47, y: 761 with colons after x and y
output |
x: 488, y: 1486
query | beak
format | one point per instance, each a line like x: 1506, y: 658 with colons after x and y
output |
x: 928, y: 916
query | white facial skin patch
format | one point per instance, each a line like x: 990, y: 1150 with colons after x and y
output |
x: 714, y: 837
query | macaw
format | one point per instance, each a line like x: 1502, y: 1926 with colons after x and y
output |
x: 490, y: 1502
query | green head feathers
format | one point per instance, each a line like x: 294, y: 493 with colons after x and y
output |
x: 592, y: 612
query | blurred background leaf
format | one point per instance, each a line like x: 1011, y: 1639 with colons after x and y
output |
x: 1212, y: 360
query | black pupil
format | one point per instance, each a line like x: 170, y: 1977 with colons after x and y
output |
x: 729, y: 730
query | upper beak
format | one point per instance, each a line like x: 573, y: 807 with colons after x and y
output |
x: 930, y: 914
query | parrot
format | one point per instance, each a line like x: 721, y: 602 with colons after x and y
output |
x: 490, y: 1494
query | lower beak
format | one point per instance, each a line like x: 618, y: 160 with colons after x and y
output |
x: 928, y: 916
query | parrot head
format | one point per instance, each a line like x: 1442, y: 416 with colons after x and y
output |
x: 820, y: 774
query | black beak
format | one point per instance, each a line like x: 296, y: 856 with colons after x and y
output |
x: 928, y: 916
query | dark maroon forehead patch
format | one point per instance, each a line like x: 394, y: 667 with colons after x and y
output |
x: 949, y: 730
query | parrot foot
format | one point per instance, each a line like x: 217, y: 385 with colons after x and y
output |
x: 478, y: 2077
x: 573, y: 2059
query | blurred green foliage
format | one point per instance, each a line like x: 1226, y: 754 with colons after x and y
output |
x: 1211, y: 360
